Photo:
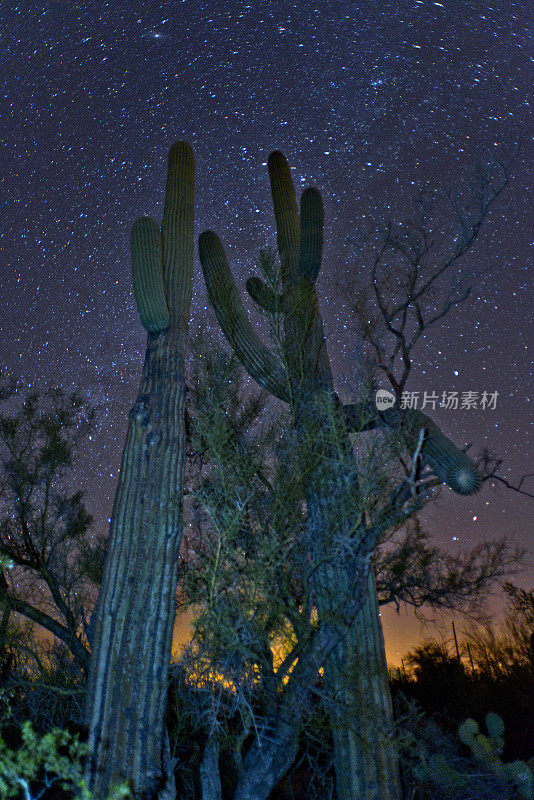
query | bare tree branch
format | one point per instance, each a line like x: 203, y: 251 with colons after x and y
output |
x: 403, y: 266
x: 489, y: 466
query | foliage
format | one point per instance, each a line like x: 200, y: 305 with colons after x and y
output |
x: 43, y: 523
x: 510, y: 648
x: 488, y: 749
x: 495, y: 674
x: 243, y: 567
x: 435, y: 669
x: 42, y: 762
x: 435, y: 769
x: 52, y: 699
x: 240, y: 539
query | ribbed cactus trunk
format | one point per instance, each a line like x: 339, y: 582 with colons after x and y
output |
x: 134, y: 615
x: 361, y: 713
x: 356, y: 673
x: 362, y: 729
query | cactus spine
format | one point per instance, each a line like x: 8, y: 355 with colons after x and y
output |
x: 366, y: 764
x: 134, y: 616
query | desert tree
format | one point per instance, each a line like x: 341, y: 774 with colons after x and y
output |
x: 418, y: 275
x: 43, y: 522
x: 258, y: 644
x: 247, y: 577
x: 410, y: 570
x: 419, y: 268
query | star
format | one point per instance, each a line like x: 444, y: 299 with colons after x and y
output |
x: 369, y: 102
x: 158, y: 35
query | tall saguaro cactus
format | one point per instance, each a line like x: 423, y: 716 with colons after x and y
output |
x: 134, y: 615
x: 366, y: 766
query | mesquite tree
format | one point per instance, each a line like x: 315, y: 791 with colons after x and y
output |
x: 301, y: 376
x: 250, y: 575
x: 42, y: 522
x: 134, y: 615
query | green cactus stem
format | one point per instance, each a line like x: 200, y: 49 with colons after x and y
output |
x: 452, y: 465
x: 302, y: 376
x: 488, y: 749
x: 134, y: 616
x: 266, y: 368
x: 147, y: 269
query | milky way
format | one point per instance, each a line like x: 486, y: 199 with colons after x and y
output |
x: 368, y: 101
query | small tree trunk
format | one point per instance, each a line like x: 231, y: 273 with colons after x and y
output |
x: 267, y: 762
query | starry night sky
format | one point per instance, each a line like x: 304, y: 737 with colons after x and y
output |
x: 368, y: 101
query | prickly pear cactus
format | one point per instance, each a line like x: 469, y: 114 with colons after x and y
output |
x: 488, y: 750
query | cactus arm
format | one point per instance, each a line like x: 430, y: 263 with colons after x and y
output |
x: 300, y: 242
x: 451, y: 465
x: 286, y: 216
x: 311, y: 233
x: 257, y: 359
x: 177, y: 231
x: 495, y: 726
x: 264, y: 296
x: 147, y: 269
x: 162, y: 275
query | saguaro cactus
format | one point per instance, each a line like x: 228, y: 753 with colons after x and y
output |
x: 366, y: 766
x: 134, y: 615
